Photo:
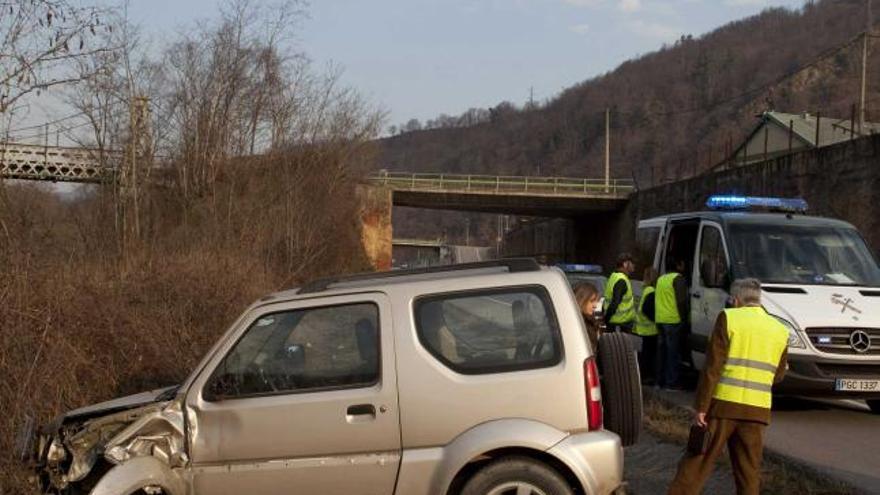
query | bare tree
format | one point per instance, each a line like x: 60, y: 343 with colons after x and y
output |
x: 38, y: 41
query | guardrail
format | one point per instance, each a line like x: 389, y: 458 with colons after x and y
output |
x: 504, y: 184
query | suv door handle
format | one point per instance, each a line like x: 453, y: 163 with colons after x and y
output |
x: 696, y: 295
x: 360, y: 413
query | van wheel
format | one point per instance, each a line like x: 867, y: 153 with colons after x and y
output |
x: 621, y: 387
x: 874, y: 404
x: 517, y: 476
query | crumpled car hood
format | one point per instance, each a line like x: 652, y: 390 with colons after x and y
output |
x: 120, y: 404
x: 145, y: 424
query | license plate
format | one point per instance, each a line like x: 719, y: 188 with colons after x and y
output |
x: 850, y: 385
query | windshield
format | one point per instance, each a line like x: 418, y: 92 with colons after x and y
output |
x: 802, y: 254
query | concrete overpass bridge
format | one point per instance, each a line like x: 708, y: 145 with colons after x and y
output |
x: 594, y: 203
x: 512, y: 195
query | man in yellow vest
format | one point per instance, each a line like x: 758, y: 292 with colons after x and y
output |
x: 619, y: 309
x: 745, y: 357
x: 671, y: 312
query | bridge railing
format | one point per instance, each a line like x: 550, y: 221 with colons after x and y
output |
x: 34, y: 162
x: 503, y: 184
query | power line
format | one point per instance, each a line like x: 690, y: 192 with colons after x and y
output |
x: 43, y: 125
x: 58, y: 121
x: 61, y: 130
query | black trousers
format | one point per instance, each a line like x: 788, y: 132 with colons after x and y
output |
x: 648, y: 359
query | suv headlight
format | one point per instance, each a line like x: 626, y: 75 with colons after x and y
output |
x: 794, y: 337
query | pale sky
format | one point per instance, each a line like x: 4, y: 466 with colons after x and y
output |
x: 420, y: 58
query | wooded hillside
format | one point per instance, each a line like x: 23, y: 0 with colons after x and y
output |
x: 675, y: 112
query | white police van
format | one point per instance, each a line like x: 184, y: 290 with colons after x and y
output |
x: 819, y: 278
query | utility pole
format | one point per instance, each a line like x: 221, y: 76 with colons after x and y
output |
x: 865, y: 36
x: 607, y: 150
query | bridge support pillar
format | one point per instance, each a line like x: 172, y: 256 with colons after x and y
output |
x: 376, y: 232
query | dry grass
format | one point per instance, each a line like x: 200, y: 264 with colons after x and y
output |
x: 781, y: 476
x: 82, y: 321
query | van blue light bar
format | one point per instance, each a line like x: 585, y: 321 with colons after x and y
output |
x: 580, y: 268
x: 796, y: 205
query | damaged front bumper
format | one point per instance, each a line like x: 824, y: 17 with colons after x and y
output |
x: 80, y: 451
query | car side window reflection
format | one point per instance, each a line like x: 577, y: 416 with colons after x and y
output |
x: 490, y: 331
x: 302, y: 350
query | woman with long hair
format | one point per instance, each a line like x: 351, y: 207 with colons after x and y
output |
x: 587, y: 296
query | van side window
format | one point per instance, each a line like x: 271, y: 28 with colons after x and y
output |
x: 490, y: 331
x: 713, y: 262
x: 303, y: 350
x: 646, y: 245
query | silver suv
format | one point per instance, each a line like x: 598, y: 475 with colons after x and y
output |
x: 471, y: 379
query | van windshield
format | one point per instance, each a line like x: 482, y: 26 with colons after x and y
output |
x: 802, y: 254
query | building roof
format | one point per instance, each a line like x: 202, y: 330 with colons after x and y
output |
x: 831, y: 130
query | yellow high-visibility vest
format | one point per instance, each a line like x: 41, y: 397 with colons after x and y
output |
x: 757, y: 341
x: 644, y: 326
x: 665, y: 303
x: 625, y: 311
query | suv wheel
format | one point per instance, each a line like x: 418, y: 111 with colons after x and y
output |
x: 874, y: 404
x: 621, y: 387
x: 517, y: 476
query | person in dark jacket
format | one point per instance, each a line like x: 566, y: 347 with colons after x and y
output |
x: 587, y: 296
x: 620, y: 314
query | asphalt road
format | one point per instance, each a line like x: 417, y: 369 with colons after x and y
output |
x: 840, y: 438
x: 650, y: 465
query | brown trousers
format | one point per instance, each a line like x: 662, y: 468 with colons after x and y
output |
x: 745, y: 443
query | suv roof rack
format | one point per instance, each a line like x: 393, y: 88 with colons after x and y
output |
x: 513, y: 265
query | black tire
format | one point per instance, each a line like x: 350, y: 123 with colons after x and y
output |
x: 874, y: 404
x: 621, y: 387
x: 514, y: 469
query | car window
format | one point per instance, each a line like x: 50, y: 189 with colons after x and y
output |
x: 490, y: 331
x: 302, y: 350
x: 713, y: 261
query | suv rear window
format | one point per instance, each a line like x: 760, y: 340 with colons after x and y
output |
x: 490, y: 331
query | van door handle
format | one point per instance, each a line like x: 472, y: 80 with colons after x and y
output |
x: 696, y: 295
x: 360, y: 413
